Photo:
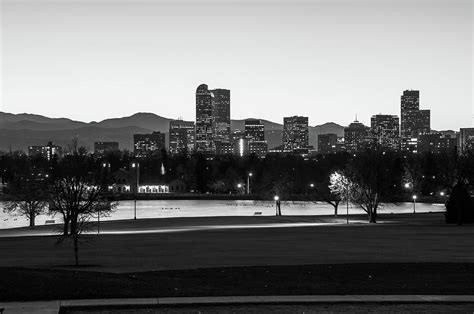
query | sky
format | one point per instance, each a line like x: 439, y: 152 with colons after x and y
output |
x: 328, y: 60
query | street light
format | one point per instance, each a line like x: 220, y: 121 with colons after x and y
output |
x: 277, y: 205
x: 105, y: 165
x: 407, y: 185
x: 239, y: 187
x: 414, y: 204
x: 441, y: 193
x: 311, y: 185
x: 248, y: 182
x: 137, y: 166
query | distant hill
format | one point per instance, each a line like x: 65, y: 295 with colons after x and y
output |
x: 22, y: 130
x: 144, y: 120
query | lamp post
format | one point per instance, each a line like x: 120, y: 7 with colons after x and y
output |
x: 277, y: 205
x: 248, y: 182
x: 414, y: 204
x: 347, y: 205
x: 136, y: 165
x: 239, y: 187
x: 106, y: 166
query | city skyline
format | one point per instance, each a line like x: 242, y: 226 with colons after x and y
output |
x: 328, y: 62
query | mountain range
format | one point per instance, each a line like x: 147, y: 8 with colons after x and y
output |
x: 18, y: 131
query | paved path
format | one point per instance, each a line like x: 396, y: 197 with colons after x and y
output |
x: 55, y: 306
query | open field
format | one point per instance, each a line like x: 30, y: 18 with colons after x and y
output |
x: 241, y: 241
x: 403, y: 254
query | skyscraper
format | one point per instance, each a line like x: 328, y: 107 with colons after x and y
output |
x: 204, y: 142
x: 410, y: 104
x: 255, y: 134
x: 466, y: 139
x: 414, y: 122
x: 221, y: 115
x: 436, y: 143
x: 327, y: 143
x: 182, y: 136
x: 146, y: 145
x: 355, y: 136
x: 295, y: 134
x: 255, y: 130
x: 385, y: 131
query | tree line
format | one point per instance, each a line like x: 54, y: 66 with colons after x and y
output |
x: 75, y: 186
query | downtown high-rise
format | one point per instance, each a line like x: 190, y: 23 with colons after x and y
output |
x: 295, y: 134
x: 355, y: 136
x: 204, y: 142
x: 385, y: 131
x: 255, y: 135
x: 212, y: 120
x: 414, y: 122
x: 221, y: 115
x: 181, y: 137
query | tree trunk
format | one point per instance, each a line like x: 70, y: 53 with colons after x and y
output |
x: 336, y: 205
x: 66, y: 227
x: 76, y: 251
x: 373, y: 215
x: 32, y: 219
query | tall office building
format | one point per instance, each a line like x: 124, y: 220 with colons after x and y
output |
x: 410, y: 104
x: 385, y: 131
x: 466, y: 139
x: 47, y: 151
x: 295, y: 134
x: 327, y: 143
x: 414, y: 122
x: 146, y: 145
x: 355, y: 136
x: 221, y: 115
x: 255, y: 130
x: 436, y: 143
x: 181, y: 136
x: 102, y: 148
x: 255, y: 135
x: 204, y: 142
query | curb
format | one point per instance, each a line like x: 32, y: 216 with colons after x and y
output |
x: 57, y: 305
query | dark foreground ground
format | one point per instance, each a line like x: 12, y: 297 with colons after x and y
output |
x: 403, y: 255
x: 20, y: 284
x: 301, y: 308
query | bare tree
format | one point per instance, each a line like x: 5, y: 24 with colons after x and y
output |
x: 78, y: 201
x: 27, y: 191
x: 371, y: 176
x: 79, y: 194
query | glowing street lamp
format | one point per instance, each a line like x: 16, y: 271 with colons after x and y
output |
x: 105, y: 165
x: 248, y: 182
x: 311, y: 185
x: 441, y: 193
x: 277, y: 205
x: 407, y: 185
x: 414, y: 204
x: 136, y: 165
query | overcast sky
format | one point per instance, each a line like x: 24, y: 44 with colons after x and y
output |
x: 328, y: 60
